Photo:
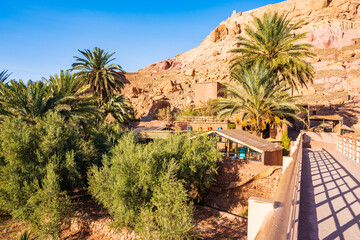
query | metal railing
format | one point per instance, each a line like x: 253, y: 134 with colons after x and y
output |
x: 282, y: 223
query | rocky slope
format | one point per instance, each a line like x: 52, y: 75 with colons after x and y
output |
x: 332, y: 26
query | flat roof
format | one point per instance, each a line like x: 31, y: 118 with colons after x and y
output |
x: 248, y: 139
x: 150, y: 129
x: 327, y: 117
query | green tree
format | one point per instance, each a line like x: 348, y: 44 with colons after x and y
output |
x: 37, y: 164
x: 273, y: 42
x: 257, y: 99
x: 172, y: 214
x: 96, y: 69
x: 155, y: 181
x: 120, y: 108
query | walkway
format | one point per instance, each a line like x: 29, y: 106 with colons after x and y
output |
x: 330, y: 197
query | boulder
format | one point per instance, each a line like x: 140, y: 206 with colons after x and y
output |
x: 219, y: 33
x: 215, y: 53
x: 234, y: 28
x: 337, y: 102
x: 190, y: 72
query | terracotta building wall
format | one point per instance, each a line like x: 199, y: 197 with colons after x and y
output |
x: 206, y: 91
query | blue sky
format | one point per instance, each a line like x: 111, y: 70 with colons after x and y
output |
x: 38, y: 38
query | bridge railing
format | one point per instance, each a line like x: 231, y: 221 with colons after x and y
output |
x: 349, y: 146
x: 281, y: 222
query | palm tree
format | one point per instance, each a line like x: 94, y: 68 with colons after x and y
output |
x: 25, y: 101
x: 95, y: 68
x: 70, y: 97
x: 120, y: 108
x: 61, y: 93
x: 273, y: 43
x: 256, y: 98
x: 4, y: 75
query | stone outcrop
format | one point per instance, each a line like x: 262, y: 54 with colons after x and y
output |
x: 331, y: 26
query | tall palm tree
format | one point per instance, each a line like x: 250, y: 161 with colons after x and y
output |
x: 256, y: 98
x: 120, y: 108
x: 95, y: 68
x: 273, y: 43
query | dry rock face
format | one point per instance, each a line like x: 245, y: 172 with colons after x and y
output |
x: 332, y: 27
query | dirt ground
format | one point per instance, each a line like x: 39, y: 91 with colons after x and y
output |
x: 10, y: 229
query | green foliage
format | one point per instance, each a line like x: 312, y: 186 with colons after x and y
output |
x: 62, y: 93
x: 120, y: 108
x: 25, y: 236
x: 172, y: 217
x: 285, y: 141
x: 273, y: 43
x: 256, y: 98
x: 165, y: 114
x: 188, y: 111
x: 104, y: 78
x: 206, y: 109
x: 49, y: 206
x: 230, y: 125
x: 245, y: 213
x: 37, y: 163
x: 151, y: 180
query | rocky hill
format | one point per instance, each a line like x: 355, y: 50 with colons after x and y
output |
x: 332, y: 26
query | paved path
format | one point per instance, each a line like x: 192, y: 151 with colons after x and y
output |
x: 330, y: 197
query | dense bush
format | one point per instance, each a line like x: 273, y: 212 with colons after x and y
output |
x: 38, y: 162
x: 154, y: 181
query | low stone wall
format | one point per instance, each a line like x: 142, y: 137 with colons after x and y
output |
x: 278, y: 218
x: 324, y: 140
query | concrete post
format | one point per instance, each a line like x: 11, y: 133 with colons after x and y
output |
x: 258, y: 209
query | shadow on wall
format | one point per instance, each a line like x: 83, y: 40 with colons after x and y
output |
x: 320, y: 140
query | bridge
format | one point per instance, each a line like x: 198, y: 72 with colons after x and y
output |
x: 318, y: 196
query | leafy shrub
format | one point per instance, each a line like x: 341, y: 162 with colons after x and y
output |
x: 230, y: 125
x: 206, y: 109
x: 154, y: 180
x: 37, y: 163
x: 165, y: 114
x: 188, y: 111
x: 171, y: 219
x: 285, y: 143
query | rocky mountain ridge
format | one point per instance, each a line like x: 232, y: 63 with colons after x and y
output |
x: 332, y: 27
